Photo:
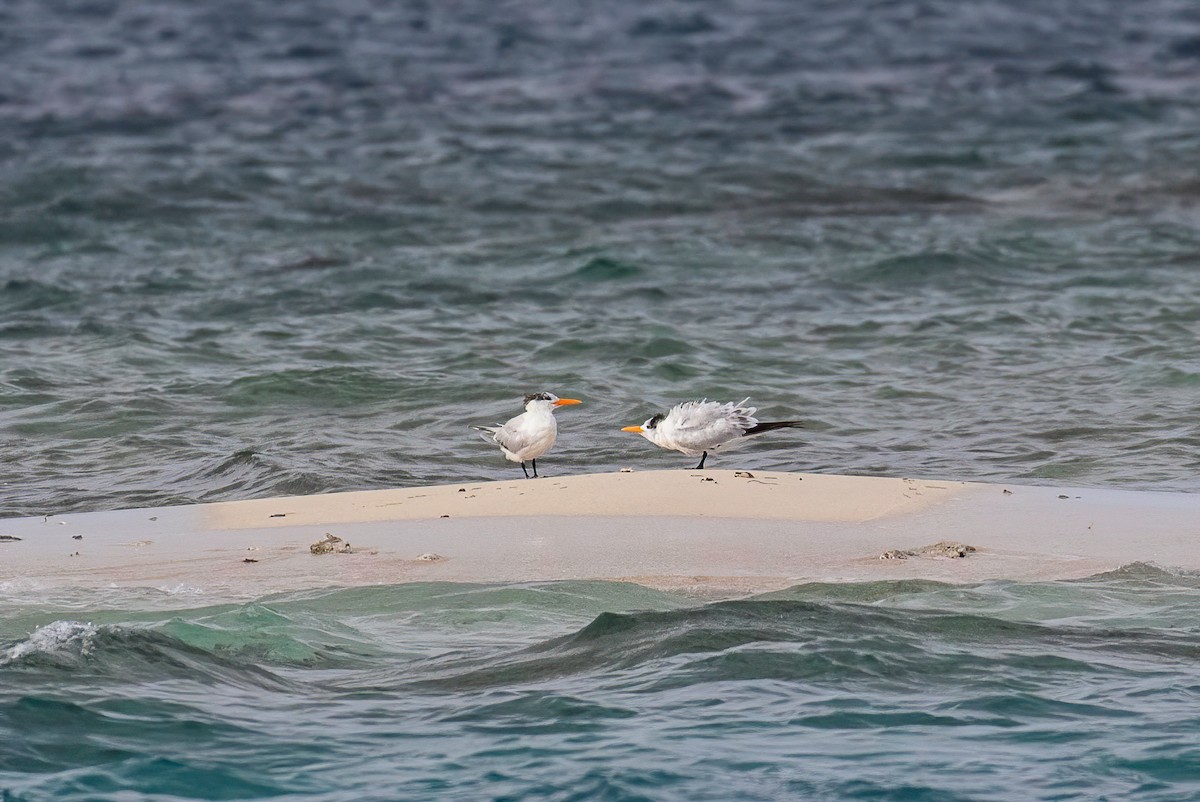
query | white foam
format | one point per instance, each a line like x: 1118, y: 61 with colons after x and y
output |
x: 54, y: 637
x: 181, y: 590
x: 17, y: 591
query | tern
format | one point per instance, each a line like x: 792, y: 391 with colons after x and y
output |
x: 530, y: 434
x: 698, y: 427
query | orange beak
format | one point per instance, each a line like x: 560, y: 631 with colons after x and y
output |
x: 566, y: 402
x: 634, y: 429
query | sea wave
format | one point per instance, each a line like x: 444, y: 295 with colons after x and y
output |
x: 553, y: 687
x: 123, y: 654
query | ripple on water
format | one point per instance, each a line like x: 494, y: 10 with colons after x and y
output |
x: 1078, y: 687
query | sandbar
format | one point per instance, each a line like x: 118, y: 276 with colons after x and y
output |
x: 710, y: 533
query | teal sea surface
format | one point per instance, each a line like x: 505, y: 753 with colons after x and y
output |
x: 578, y: 691
x: 251, y: 249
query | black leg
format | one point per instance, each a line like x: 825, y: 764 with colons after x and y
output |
x: 523, y: 469
x: 702, y: 458
x: 535, y: 469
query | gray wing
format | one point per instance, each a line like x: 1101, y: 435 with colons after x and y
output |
x: 508, y: 437
x: 513, y: 440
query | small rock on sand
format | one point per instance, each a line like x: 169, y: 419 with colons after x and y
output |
x: 9, y: 538
x: 330, y: 545
x: 942, y: 550
x: 430, y: 557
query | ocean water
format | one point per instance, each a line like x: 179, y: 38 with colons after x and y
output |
x: 251, y: 249
x: 580, y: 691
x: 254, y: 249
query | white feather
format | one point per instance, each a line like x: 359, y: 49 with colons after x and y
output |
x: 694, y: 427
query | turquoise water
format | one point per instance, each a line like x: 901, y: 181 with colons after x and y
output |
x: 253, y: 249
x: 882, y: 691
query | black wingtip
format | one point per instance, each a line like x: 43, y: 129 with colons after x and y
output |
x: 768, y: 427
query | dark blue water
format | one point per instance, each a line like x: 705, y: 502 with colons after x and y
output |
x: 252, y: 249
x: 249, y: 249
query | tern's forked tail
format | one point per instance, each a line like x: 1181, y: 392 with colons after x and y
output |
x: 487, y: 433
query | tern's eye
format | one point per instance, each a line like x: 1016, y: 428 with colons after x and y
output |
x: 653, y: 422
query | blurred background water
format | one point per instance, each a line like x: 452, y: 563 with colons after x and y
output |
x: 251, y: 249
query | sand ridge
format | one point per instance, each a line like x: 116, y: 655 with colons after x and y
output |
x: 766, y: 495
